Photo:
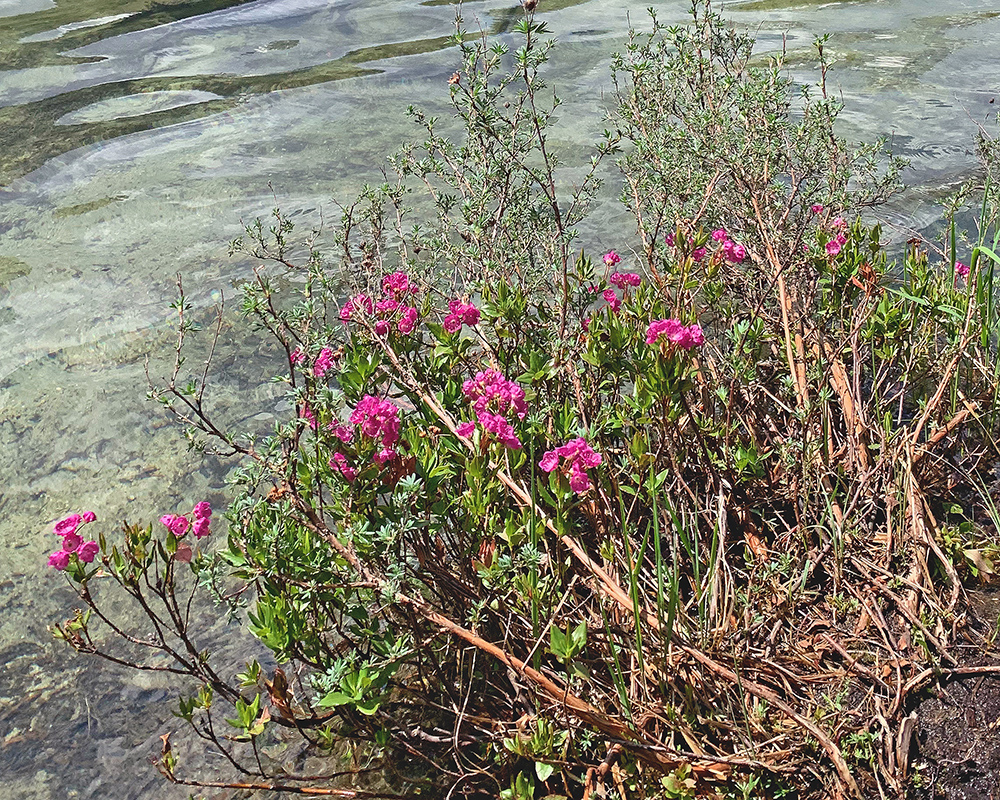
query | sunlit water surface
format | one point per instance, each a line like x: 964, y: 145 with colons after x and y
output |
x: 131, y: 151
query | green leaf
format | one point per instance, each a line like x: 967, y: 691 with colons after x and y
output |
x: 334, y: 699
x: 544, y: 771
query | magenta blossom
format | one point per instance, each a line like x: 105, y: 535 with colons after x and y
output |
x: 613, y: 300
x: 669, y: 239
x: 339, y: 464
x: 298, y: 355
x: 342, y: 432
x: 323, y: 362
x: 576, y: 456
x: 68, y: 525
x: 719, y: 235
x: 378, y: 420
x: 962, y: 269
x: 202, y: 510
x: 177, y: 524
x: 498, y: 425
x: 360, y: 302
x: 59, y: 560
x: 89, y: 516
x: 489, y: 389
x: 734, y: 253
x: 833, y: 247
x: 87, y: 551
x: 408, y: 322
x: 466, y: 429
x: 676, y: 333
x: 623, y: 279
x: 816, y: 208
x: 201, y: 527
x: 698, y: 254
x: 71, y: 542
x: 398, y: 284
x: 461, y: 314
x: 611, y: 258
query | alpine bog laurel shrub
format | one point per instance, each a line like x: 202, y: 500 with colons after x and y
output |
x: 678, y: 521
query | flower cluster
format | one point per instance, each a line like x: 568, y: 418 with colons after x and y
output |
x: 339, y: 464
x: 395, y: 287
x: 576, y: 456
x: 675, y: 332
x: 378, y: 420
x: 962, y: 269
x: 611, y: 258
x: 834, y: 246
x: 179, y: 524
x: 461, y: 314
x: 733, y: 253
x: 72, y: 541
x: 494, y: 398
x: 323, y: 362
x: 623, y: 279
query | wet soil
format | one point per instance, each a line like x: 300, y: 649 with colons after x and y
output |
x: 958, y: 741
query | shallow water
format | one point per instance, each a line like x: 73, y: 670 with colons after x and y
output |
x: 132, y: 148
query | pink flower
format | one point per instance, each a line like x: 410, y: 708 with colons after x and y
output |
x: 175, y: 523
x: 71, y: 542
x: 669, y: 239
x: 384, y: 455
x: 387, y: 305
x: 693, y: 337
x: 585, y: 324
x: 461, y: 314
x: 833, y: 247
x: 489, y: 390
x: 378, y: 420
x: 498, y: 425
x: 339, y: 464
x: 202, y: 510
x: 68, y: 525
x: 299, y: 355
x: 839, y: 222
x: 576, y: 456
x: 360, y: 302
x: 408, y: 321
x: 611, y: 258
x: 87, y: 551
x: 308, y: 415
x: 612, y: 299
x: 89, y: 516
x: 840, y: 239
x: 382, y: 327
x: 719, y: 235
x: 734, y: 253
x: 698, y: 254
x: 549, y: 461
x: 623, y: 279
x: 59, y: 559
x: 675, y: 333
x: 342, y: 432
x: 323, y: 362
x: 201, y: 527
x: 398, y: 283
x: 466, y: 429
x: 962, y: 269
x: 671, y: 328
x: 816, y: 208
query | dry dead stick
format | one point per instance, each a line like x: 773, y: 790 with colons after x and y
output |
x: 556, y: 693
